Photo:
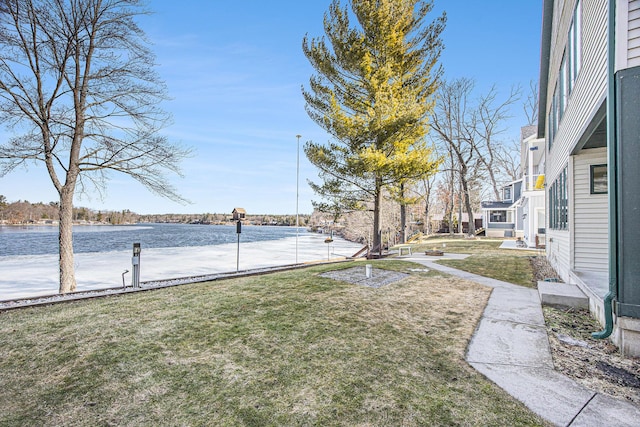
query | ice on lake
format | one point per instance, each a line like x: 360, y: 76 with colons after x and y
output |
x: 36, y: 275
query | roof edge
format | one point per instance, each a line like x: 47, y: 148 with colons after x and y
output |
x: 545, y: 57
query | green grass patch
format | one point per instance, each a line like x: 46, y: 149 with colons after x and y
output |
x: 459, y: 245
x: 486, y: 259
x: 288, y: 348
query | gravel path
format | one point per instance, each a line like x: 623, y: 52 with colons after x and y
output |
x: 357, y: 275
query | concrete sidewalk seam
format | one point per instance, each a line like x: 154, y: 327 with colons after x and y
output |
x: 513, y: 321
x: 582, y: 409
x: 513, y: 365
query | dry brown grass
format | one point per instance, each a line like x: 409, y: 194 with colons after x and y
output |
x: 291, y: 348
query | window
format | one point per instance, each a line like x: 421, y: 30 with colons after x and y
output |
x: 563, y: 86
x: 554, y: 116
x: 574, y: 45
x: 598, y: 179
x: 559, y: 203
x: 498, y: 216
x: 505, y: 216
x: 506, y: 193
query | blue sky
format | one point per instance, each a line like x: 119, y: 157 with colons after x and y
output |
x: 234, y: 73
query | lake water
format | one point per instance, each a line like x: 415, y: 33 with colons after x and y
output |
x: 40, y: 240
x: 29, y: 255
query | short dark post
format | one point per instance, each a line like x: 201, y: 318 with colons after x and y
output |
x: 123, y: 284
x: 238, y: 231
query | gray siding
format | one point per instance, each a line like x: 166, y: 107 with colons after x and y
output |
x: 591, y: 214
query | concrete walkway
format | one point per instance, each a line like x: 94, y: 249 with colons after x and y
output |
x: 511, y: 348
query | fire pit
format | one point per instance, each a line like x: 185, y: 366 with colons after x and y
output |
x: 434, y: 252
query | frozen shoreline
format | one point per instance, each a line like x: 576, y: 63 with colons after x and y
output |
x: 36, y: 275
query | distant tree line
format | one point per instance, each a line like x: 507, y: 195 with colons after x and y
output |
x: 23, y: 212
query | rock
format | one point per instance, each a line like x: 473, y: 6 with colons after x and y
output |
x: 572, y: 341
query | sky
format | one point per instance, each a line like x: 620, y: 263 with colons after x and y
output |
x: 234, y: 72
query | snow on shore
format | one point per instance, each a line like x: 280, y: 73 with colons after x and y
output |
x: 29, y: 276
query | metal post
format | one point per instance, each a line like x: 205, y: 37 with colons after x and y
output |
x: 297, y: 193
x: 238, y: 231
x: 135, y: 262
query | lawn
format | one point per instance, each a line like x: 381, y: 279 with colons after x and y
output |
x: 288, y: 348
x: 486, y: 258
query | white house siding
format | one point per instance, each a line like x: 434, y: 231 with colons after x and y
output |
x: 591, y: 85
x: 591, y: 213
x: 633, y: 33
x: 558, y: 243
x: 588, y: 94
x: 535, y: 202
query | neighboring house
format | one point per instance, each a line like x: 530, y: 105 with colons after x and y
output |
x: 521, y: 211
x: 239, y: 214
x: 589, y: 91
x: 532, y: 162
x: 503, y: 218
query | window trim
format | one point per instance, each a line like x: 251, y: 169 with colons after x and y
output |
x: 592, y: 182
x: 559, y: 202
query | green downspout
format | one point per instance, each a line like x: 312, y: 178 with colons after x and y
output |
x: 612, y: 152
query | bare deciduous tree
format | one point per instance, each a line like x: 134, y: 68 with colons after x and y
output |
x: 507, y: 159
x: 452, y: 122
x: 487, y: 124
x: 470, y: 130
x: 424, y: 190
x: 531, y: 104
x: 79, y: 94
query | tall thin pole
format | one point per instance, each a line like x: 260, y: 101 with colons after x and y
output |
x: 297, y: 193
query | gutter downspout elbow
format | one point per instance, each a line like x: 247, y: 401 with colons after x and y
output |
x: 608, y: 316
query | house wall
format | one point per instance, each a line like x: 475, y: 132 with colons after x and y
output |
x: 587, y: 96
x: 557, y: 253
x: 530, y: 224
x: 633, y: 33
x: 627, y: 34
x: 591, y: 214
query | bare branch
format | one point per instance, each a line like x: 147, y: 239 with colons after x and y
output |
x: 79, y: 93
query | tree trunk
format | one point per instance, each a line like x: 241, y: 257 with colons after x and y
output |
x: 467, y: 202
x: 427, y: 221
x: 65, y: 239
x: 452, y: 192
x: 403, y: 223
x: 376, y: 217
x: 403, y: 216
x: 462, y: 195
x: 494, y: 184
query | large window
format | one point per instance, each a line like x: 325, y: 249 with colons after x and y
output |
x: 498, y: 216
x: 559, y: 203
x: 553, y: 117
x: 569, y: 69
x: 501, y: 216
x: 574, y: 45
